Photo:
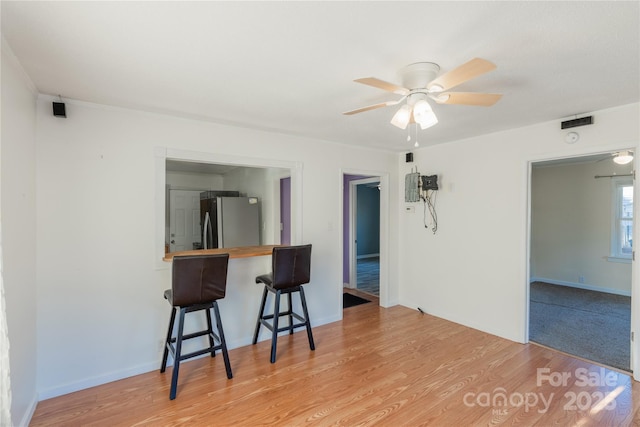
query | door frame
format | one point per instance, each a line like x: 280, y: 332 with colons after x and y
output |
x: 353, y: 223
x: 383, y: 177
x: 635, y: 289
x: 278, y: 207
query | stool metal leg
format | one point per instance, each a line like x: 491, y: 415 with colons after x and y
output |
x: 223, y: 343
x: 290, y: 313
x: 167, y: 343
x: 306, y: 316
x: 212, y: 343
x: 260, y: 315
x: 274, y: 335
x: 176, y: 361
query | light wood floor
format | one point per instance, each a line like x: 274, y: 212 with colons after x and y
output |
x: 392, y: 367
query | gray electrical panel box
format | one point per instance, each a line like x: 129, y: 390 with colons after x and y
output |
x: 411, y: 191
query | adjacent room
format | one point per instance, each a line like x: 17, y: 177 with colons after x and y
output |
x: 361, y: 231
x: 460, y: 152
x: 581, y: 253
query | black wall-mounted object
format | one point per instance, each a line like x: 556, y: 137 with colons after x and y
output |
x: 409, y: 158
x: 59, y: 109
x: 577, y: 122
x: 429, y: 182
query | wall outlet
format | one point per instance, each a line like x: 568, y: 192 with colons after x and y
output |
x: 580, y: 279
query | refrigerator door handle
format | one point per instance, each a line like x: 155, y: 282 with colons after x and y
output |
x: 207, y: 230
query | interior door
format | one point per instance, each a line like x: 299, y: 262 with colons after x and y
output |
x: 184, y: 219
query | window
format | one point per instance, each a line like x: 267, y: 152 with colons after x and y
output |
x: 622, y: 224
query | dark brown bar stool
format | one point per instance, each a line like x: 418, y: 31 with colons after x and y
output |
x: 291, y: 268
x: 197, y: 283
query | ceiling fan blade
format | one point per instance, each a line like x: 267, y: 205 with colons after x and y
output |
x: 464, y: 72
x: 468, y: 98
x: 374, y: 106
x: 381, y: 84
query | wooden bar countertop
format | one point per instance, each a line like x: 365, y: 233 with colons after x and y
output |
x: 239, y: 252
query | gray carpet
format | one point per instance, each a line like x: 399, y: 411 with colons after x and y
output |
x: 592, y: 325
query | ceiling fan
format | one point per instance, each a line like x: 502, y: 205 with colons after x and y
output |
x: 419, y: 83
x: 619, y: 157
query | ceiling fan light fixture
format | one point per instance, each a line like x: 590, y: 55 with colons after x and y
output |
x: 442, y: 97
x: 435, y: 88
x: 401, y: 117
x: 424, y: 115
x: 623, y: 157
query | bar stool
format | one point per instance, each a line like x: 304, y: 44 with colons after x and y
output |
x: 197, y: 283
x: 291, y: 267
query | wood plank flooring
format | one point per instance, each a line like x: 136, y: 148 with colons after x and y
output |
x: 391, y: 367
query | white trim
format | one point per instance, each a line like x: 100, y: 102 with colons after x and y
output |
x: 161, y: 154
x: 615, y: 254
x: 28, y: 414
x: 635, y: 295
x: 275, y: 209
x: 98, y: 380
x: 384, y: 229
x: 141, y: 369
x: 353, y: 215
x: 580, y: 286
x: 160, y: 157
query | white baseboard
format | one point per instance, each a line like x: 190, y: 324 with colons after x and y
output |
x: 98, y: 380
x: 142, y: 369
x: 580, y: 286
x: 26, y: 418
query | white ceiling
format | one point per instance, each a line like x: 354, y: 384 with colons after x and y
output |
x: 289, y: 66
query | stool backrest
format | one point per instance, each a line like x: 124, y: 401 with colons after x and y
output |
x: 291, y: 266
x: 199, y: 279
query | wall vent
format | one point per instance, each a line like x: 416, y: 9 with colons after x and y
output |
x: 577, y: 122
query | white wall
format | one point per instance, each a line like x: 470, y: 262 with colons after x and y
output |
x: 474, y: 270
x: 100, y: 308
x: 571, y: 218
x: 18, y: 206
x: 194, y: 181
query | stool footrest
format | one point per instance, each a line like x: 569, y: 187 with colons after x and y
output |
x: 284, y: 328
x: 173, y: 345
x: 210, y: 349
x: 270, y: 321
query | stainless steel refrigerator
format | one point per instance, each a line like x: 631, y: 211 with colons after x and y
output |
x: 229, y: 222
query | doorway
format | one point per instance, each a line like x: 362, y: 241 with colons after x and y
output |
x: 581, y: 237
x: 361, y: 235
x: 365, y: 239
